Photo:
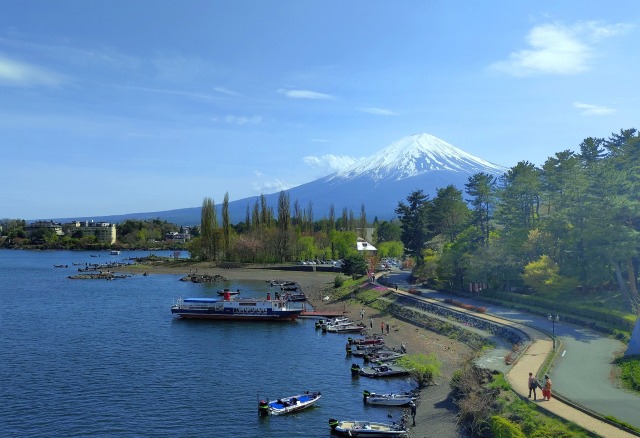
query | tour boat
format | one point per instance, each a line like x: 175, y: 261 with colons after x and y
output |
x: 367, y: 428
x: 243, y: 309
x: 286, y: 405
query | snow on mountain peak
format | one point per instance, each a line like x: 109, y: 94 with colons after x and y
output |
x: 417, y: 154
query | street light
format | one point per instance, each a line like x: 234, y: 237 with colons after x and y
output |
x: 553, y: 328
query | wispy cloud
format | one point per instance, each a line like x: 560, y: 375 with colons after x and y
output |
x: 15, y: 73
x: 273, y: 186
x: 223, y: 90
x: 593, y: 110
x: 238, y: 120
x: 557, y: 49
x: 305, y: 94
x: 378, y: 111
x: 327, y: 164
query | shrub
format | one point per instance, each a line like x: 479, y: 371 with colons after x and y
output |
x: 503, y: 428
x: 338, y: 281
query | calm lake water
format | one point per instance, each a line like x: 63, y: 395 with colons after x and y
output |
x: 107, y: 358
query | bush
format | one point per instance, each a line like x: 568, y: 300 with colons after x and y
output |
x: 503, y: 428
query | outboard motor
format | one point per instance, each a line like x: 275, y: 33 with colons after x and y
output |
x: 355, y: 369
x: 263, y: 408
x: 365, y: 395
x: 333, y: 423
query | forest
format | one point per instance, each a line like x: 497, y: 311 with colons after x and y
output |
x: 570, y: 228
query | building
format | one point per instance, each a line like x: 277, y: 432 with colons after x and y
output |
x: 51, y: 225
x: 103, y: 231
x: 174, y: 237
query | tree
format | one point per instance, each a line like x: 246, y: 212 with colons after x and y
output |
x: 284, y: 226
x: 226, y: 226
x: 354, y: 265
x: 423, y: 368
x: 481, y: 187
x: 387, y: 231
x: 450, y: 214
x: 208, y: 227
x: 414, y: 218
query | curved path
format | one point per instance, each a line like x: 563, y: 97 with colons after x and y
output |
x: 581, y: 373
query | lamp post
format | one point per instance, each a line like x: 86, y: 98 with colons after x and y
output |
x: 553, y: 321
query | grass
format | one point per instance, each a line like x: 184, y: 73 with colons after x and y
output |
x: 630, y: 372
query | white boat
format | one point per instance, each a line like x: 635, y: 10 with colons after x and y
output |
x: 403, y: 399
x: 346, y: 328
x: 286, y: 405
x: 115, y: 252
x: 367, y: 428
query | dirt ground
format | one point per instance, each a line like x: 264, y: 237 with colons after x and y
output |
x: 435, y: 413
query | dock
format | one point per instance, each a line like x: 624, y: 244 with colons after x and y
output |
x: 321, y: 314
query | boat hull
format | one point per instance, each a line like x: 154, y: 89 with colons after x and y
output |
x: 367, y: 429
x: 235, y: 309
x: 294, y: 403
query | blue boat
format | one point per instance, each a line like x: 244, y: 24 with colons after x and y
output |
x: 286, y: 405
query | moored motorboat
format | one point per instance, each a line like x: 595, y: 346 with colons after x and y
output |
x: 390, y: 370
x: 346, y: 328
x: 244, y: 309
x: 367, y: 340
x: 382, y: 356
x: 297, y: 296
x: 286, y: 405
x: 367, y: 428
x: 402, y: 399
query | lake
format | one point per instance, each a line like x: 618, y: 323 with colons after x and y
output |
x: 107, y: 358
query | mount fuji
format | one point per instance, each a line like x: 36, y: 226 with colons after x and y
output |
x: 379, y: 182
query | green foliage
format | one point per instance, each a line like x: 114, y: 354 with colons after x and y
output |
x: 338, y: 281
x: 394, y: 249
x: 499, y: 382
x: 503, y: 428
x: 354, y: 265
x: 423, y: 368
x: 630, y: 372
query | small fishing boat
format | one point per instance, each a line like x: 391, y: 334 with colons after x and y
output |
x: 383, y: 356
x: 297, y: 296
x: 367, y: 428
x: 346, y: 328
x: 286, y: 405
x: 324, y: 323
x: 384, y: 371
x: 402, y: 399
x: 367, y: 340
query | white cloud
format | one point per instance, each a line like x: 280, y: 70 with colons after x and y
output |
x: 379, y: 111
x: 238, y: 120
x: 329, y: 163
x: 593, y: 110
x: 25, y: 75
x: 557, y: 49
x: 267, y: 187
x: 306, y: 94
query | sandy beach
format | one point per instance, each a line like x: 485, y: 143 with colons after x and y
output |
x: 435, y: 413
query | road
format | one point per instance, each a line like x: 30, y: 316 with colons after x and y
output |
x: 583, y: 372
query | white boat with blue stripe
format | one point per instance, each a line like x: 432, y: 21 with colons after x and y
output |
x: 243, y: 309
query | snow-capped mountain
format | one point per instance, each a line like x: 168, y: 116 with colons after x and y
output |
x: 379, y: 182
x: 414, y: 155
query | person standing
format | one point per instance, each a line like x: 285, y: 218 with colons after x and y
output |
x: 371, y: 322
x: 387, y: 328
x: 413, y: 412
x: 361, y: 314
x: 546, y: 391
x: 533, y: 385
x: 382, y: 328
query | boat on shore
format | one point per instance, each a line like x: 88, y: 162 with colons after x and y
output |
x: 243, y: 309
x: 286, y: 405
x: 346, y: 328
x: 402, y: 399
x: 389, y: 370
x: 367, y: 428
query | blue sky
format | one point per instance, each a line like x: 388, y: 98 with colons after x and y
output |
x: 112, y: 107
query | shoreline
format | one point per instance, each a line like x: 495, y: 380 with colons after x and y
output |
x: 436, y: 415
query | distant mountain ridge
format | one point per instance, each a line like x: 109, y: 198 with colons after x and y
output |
x: 378, y: 182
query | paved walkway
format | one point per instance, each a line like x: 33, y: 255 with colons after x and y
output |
x: 532, y: 360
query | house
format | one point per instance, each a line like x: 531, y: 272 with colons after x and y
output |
x: 103, y: 231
